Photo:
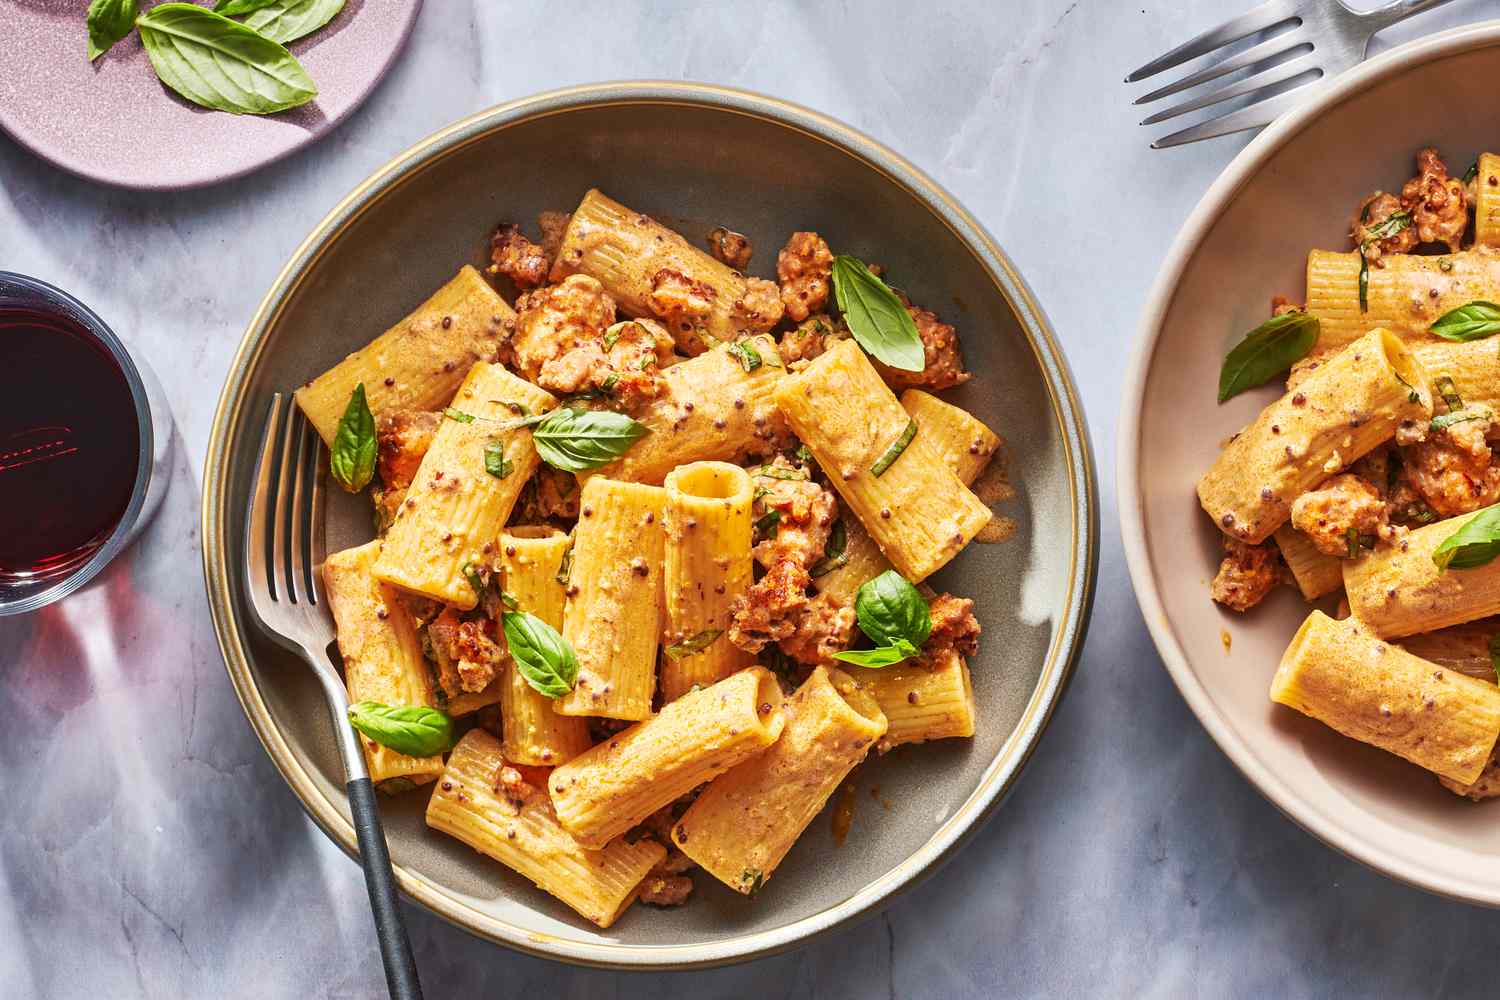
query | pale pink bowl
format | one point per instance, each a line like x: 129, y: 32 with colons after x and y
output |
x: 113, y: 122
x: 1292, y: 189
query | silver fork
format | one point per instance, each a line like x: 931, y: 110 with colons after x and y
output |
x: 284, y: 551
x: 1315, y: 41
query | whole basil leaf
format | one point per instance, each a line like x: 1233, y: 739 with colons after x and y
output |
x: 352, y: 458
x: 1473, y: 321
x: 876, y: 317
x: 1474, y: 544
x: 1267, y: 351
x: 890, y: 608
x: 108, y: 22
x: 579, y: 440
x: 288, y: 20
x: 234, y: 8
x: 542, y: 656
x: 415, y: 730
x: 222, y: 64
x: 880, y: 656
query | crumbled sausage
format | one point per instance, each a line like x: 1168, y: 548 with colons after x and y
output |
x: 953, y: 627
x: 516, y: 257
x: 1372, y: 214
x: 944, y: 367
x: 623, y: 364
x: 1342, y: 508
x: 554, y: 319
x: 811, y: 338
x: 822, y: 627
x: 807, y: 512
x: 666, y: 890
x: 731, y: 247
x: 465, y: 651
x: 402, y: 438
x: 805, y: 269
x: 1246, y: 575
x: 758, y: 308
x: 682, y: 303
x: 1438, y: 204
x: 553, y: 225
x: 767, y: 612
x: 1453, y: 470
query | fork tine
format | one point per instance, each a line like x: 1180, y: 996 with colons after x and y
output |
x: 1267, y: 15
x: 318, y: 545
x: 301, y: 582
x: 1289, y: 70
x: 1256, y: 115
x: 257, y: 527
x: 1291, y: 43
x: 285, y: 588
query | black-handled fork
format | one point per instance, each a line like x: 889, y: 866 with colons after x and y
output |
x: 284, y: 550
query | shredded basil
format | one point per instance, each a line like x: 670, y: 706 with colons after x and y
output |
x: 888, y: 459
x: 774, y: 472
x: 695, y: 645
x: 458, y: 415
x: 1443, y: 420
x: 1471, y: 173
x: 835, y: 552
x: 565, y: 569
x: 1495, y: 654
x: 765, y: 525
x: 472, y: 574
x: 494, y: 459
x: 1353, y: 536
x: 745, y: 352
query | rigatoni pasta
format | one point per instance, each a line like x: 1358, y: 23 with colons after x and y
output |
x: 1399, y: 591
x: 532, y: 731
x: 419, y: 362
x: 1354, y: 402
x: 456, y: 506
x: 914, y: 507
x: 612, y: 616
x: 1315, y: 572
x: 612, y: 787
x: 1345, y: 676
x: 1487, y: 200
x: 921, y: 701
x: 1404, y: 294
x: 707, y: 566
x: 523, y: 834
x: 382, y: 658
x: 744, y: 823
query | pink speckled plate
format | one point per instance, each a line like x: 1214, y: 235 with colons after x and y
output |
x: 113, y: 122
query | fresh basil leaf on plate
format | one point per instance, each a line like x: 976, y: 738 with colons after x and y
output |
x: 1472, y: 321
x: 352, y: 458
x: 888, y: 608
x: 697, y: 644
x: 542, y: 655
x: 288, y: 20
x: 880, y: 656
x: 580, y: 440
x: 876, y: 317
x: 235, y: 8
x: 1475, y: 544
x: 222, y: 64
x: 108, y: 21
x: 415, y: 730
x: 1267, y: 351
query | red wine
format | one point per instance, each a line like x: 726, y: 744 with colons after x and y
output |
x: 69, y: 446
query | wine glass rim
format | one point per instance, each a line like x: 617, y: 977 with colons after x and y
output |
x: 49, y: 297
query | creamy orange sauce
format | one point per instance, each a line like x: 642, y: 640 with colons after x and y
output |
x: 993, y: 487
x: 843, y: 810
x: 1226, y: 639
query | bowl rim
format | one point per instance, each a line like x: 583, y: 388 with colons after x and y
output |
x: 1071, y: 620
x: 1330, y: 829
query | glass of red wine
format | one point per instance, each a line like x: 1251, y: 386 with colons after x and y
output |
x: 85, y: 441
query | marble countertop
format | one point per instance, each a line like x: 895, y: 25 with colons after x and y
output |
x: 149, y: 848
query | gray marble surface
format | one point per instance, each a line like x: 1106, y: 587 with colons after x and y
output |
x: 149, y: 848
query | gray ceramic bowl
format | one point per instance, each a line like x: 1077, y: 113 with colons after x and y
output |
x: 1292, y: 189
x: 696, y: 157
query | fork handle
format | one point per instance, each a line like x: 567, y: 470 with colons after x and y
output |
x: 1401, y: 10
x: 375, y: 858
